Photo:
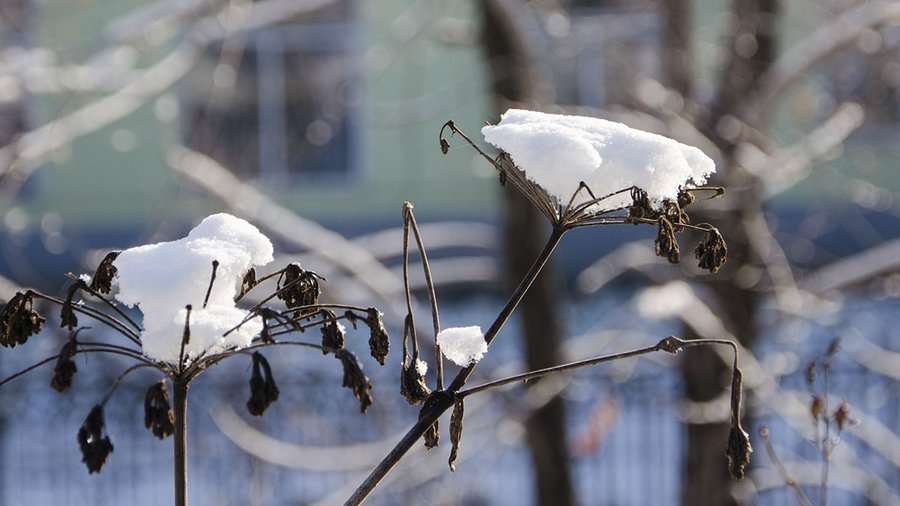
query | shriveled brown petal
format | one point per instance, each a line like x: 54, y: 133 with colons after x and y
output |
x: 355, y: 379
x: 379, y: 341
x: 456, y: 427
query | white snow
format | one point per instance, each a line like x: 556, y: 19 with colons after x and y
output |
x: 421, y: 367
x: 462, y: 345
x: 557, y: 152
x: 161, y: 279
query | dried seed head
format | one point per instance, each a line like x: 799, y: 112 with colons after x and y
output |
x: 106, y: 271
x: 739, y: 448
x: 65, y: 368
x: 19, y: 320
x: 456, y: 427
x: 666, y: 244
x: 412, y: 384
x: 95, y: 447
x: 249, y: 281
x: 833, y: 347
x: 355, y: 379
x: 811, y: 374
x: 445, y: 145
x: 640, y: 205
x: 67, y: 316
x: 300, y: 288
x: 158, y: 415
x: 379, y: 341
x: 816, y: 406
x: 711, y: 251
x: 685, y: 198
x: 738, y: 452
x: 263, y: 391
x: 842, y: 415
x: 332, y: 333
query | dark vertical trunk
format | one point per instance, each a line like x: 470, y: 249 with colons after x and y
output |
x: 751, y: 50
x: 526, y: 231
x: 677, y: 52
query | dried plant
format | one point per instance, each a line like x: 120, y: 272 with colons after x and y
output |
x: 164, y: 416
x: 828, y: 425
x: 563, y: 217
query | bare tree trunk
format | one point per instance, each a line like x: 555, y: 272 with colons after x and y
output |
x: 546, y: 428
x: 751, y: 51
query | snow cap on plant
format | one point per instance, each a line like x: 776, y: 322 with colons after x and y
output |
x: 558, y: 152
x: 464, y: 346
x: 162, y: 279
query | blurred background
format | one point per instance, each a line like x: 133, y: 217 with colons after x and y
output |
x: 124, y: 122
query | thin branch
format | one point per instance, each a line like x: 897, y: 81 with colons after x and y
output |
x: 788, y: 480
x: 429, y: 283
x: 104, y: 318
x: 87, y: 287
x: 118, y: 381
x: 669, y: 344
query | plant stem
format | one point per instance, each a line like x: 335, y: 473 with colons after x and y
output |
x: 179, y: 443
x: 444, y: 402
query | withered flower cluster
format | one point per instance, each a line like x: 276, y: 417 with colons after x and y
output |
x: 106, y: 271
x: 19, y: 320
x: 355, y: 379
x: 711, y: 252
x: 95, y: 446
x: 158, y: 415
x: 332, y: 333
x: 300, y: 288
x: 263, y: 391
x: 65, y: 368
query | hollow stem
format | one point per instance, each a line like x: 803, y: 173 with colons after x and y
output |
x: 179, y: 441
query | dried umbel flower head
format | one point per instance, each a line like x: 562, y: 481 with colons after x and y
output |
x: 712, y: 251
x: 95, y: 446
x: 65, y: 368
x: 263, y: 391
x: 666, y: 244
x: 158, y: 415
x: 19, y: 320
x: 106, y: 271
x: 300, y: 288
x: 332, y: 333
x: 379, y: 342
x: 355, y: 379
